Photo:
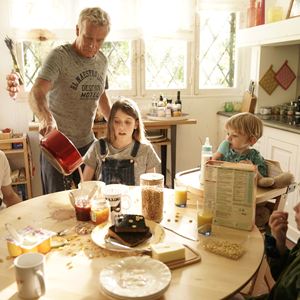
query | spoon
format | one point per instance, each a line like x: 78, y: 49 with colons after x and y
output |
x: 92, y: 193
x: 116, y: 244
x: 13, y: 232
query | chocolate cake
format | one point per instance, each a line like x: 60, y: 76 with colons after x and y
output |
x: 130, y: 223
x: 130, y: 239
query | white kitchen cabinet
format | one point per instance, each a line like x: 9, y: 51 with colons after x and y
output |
x: 284, y: 147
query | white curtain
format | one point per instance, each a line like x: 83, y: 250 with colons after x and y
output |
x: 131, y: 19
x: 229, y: 5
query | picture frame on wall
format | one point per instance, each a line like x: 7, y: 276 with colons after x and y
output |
x: 294, y: 9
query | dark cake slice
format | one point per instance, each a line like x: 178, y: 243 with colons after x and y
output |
x: 130, y: 239
x: 130, y: 223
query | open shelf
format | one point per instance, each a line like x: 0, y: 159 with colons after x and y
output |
x: 285, y: 32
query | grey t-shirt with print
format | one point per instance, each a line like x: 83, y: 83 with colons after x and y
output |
x: 145, y: 159
x: 78, y: 82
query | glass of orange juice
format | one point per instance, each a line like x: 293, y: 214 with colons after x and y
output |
x: 180, y: 193
x: 204, y: 217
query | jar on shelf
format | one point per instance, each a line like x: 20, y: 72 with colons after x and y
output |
x: 290, y: 110
x: 152, y: 190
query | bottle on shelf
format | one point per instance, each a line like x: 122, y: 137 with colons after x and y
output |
x: 251, y: 14
x: 263, y: 8
x: 154, y: 106
x: 161, y: 107
x: 206, y: 155
x: 177, y: 108
x: 258, y: 19
x: 169, y: 108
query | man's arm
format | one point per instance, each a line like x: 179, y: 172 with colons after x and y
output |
x: 9, y: 195
x: 38, y: 104
x: 105, y: 105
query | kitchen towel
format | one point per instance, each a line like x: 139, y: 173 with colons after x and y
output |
x: 268, y: 81
x: 285, y: 76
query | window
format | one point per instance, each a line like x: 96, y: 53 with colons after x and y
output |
x: 34, y: 53
x: 165, y: 64
x: 119, y: 55
x: 217, y: 49
x: 191, y: 49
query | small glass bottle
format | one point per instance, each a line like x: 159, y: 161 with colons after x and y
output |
x: 161, y: 107
x: 178, y: 106
x: 251, y: 14
x: 169, y: 108
x: 258, y: 19
x: 206, y: 155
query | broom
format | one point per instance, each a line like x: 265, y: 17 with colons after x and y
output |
x: 10, y: 45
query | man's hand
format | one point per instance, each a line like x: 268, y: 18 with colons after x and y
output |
x: 46, y: 127
x: 13, y: 86
x: 278, y: 223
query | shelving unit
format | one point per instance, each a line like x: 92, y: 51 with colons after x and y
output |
x: 24, y: 152
x: 282, y: 33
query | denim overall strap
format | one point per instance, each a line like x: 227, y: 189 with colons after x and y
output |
x: 118, y: 170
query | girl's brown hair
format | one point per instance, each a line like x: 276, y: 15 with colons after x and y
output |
x: 130, y: 108
x: 247, y: 124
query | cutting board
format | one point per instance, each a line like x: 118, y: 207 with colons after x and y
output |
x: 248, y: 103
x: 191, y: 256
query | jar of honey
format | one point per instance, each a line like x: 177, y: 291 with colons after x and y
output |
x: 99, y: 211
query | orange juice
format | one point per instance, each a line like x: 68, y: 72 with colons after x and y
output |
x: 204, y: 219
x: 180, y: 196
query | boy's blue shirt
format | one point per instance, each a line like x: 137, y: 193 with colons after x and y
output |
x: 253, y: 155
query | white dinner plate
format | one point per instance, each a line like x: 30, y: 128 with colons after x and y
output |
x: 99, y: 232
x: 154, y: 118
x: 135, y: 277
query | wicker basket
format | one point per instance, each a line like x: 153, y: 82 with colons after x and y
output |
x: 5, y: 136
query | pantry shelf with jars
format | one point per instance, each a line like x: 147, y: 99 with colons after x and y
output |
x: 17, y: 151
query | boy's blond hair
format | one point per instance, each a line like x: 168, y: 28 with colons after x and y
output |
x: 247, y: 124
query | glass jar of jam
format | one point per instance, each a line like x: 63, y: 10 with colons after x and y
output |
x: 99, y: 211
x: 82, y: 209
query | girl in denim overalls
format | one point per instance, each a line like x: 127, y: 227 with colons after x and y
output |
x: 125, y: 153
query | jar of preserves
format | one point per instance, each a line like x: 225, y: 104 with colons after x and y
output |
x: 152, y: 189
x: 99, y: 211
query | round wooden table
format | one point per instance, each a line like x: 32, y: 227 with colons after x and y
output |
x: 73, y: 271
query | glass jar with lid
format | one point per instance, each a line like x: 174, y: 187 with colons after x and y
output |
x: 152, y: 190
x: 99, y: 211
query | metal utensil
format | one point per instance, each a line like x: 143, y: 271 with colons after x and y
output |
x: 186, y: 237
x: 116, y: 244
